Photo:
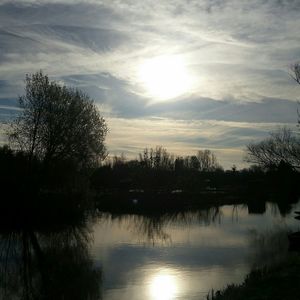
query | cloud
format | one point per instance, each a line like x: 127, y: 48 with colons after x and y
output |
x: 230, y: 56
x: 237, y: 52
x: 115, y: 93
x: 185, y: 137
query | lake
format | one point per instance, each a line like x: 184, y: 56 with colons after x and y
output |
x: 179, y: 255
x: 186, y: 255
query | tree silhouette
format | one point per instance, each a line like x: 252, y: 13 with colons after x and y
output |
x: 282, y: 146
x: 207, y: 160
x: 158, y: 159
x: 58, y: 123
x: 296, y: 72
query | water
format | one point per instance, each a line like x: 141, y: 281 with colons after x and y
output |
x: 186, y: 255
x: 160, y: 257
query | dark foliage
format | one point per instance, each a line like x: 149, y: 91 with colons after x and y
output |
x: 140, y: 186
x: 278, y: 282
x: 58, y: 123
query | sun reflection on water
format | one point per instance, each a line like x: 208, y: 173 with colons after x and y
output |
x: 163, y: 286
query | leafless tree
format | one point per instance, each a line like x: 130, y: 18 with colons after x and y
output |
x: 158, y: 158
x: 295, y: 68
x: 281, y: 146
x: 207, y: 160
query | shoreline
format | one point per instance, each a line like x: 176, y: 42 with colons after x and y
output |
x: 279, y: 282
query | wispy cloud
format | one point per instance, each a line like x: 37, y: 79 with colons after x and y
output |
x: 227, y: 139
x: 238, y: 53
x: 244, y: 57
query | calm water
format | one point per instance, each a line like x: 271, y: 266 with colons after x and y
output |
x: 184, y: 256
x: 130, y: 257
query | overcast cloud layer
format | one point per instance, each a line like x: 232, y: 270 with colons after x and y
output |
x: 238, y: 52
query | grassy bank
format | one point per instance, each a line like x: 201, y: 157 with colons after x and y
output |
x: 280, y: 282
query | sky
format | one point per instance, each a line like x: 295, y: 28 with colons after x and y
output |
x: 184, y: 74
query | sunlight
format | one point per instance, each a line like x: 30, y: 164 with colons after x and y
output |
x: 163, y: 287
x: 165, y: 77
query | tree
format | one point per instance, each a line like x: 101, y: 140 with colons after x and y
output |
x: 58, y: 123
x: 194, y: 163
x: 281, y: 146
x: 295, y: 68
x: 158, y: 158
x: 207, y: 160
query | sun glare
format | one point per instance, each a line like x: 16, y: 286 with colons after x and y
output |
x: 163, y: 287
x: 165, y: 77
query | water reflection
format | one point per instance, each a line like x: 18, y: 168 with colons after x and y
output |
x: 183, y: 255
x: 163, y: 286
x: 269, y: 247
x: 151, y: 227
x: 178, y: 255
x: 48, y: 265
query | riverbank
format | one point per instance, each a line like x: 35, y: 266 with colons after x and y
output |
x: 165, y: 201
x: 280, y: 282
x: 162, y: 201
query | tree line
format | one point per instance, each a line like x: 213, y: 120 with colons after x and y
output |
x: 57, y: 143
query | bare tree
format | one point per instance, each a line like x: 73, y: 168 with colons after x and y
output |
x: 158, y: 158
x: 281, y: 146
x: 58, y: 123
x: 207, y: 160
x: 295, y: 68
x: 194, y: 163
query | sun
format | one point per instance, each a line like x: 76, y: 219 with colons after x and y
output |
x: 165, y: 77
